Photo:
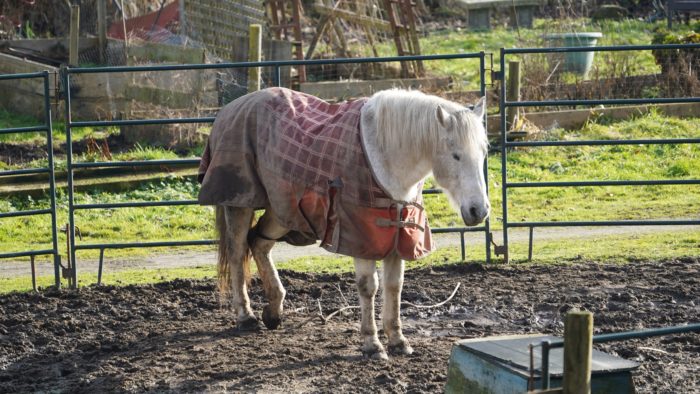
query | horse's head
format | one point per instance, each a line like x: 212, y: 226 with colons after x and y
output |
x: 458, y: 163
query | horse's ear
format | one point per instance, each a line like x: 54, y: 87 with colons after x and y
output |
x: 443, y: 117
x: 480, y: 107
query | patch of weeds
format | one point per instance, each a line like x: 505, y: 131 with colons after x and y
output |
x: 680, y: 169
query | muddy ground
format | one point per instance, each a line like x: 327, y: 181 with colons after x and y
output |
x: 175, y: 337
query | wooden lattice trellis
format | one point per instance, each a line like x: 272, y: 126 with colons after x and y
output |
x: 371, y: 17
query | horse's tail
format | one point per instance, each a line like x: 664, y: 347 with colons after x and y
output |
x: 225, y: 250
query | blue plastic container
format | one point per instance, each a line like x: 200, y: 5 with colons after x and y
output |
x: 576, y: 62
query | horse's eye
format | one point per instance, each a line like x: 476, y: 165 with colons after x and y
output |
x: 455, y: 156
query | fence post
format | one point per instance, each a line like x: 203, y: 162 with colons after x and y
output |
x: 513, y: 93
x: 254, y: 52
x: 73, y: 46
x: 578, y: 342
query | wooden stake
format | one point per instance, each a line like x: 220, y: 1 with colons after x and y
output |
x: 74, y: 33
x: 102, y: 30
x: 126, y: 38
x: 322, y: 25
x: 578, y: 343
x: 254, y: 55
x: 512, y: 92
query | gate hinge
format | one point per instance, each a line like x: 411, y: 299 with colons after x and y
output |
x: 498, y: 250
x: 66, y: 273
x: 497, y: 75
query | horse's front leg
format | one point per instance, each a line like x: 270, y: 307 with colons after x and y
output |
x: 367, y: 283
x: 391, y: 319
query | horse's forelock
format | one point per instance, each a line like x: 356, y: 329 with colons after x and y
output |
x: 470, y: 132
x: 407, y: 119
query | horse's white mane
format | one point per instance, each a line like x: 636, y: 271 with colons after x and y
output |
x: 407, y: 119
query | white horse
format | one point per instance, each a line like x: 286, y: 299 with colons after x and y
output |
x: 406, y: 136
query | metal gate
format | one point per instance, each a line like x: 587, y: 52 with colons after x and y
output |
x: 45, y: 127
x: 276, y: 66
x: 506, y: 144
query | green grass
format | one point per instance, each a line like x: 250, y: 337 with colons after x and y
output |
x: 626, y: 32
x: 127, y: 277
x: 604, y: 249
x: 596, y: 163
x: 12, y: 120
x: 538, y: 164
x: 113, y: 225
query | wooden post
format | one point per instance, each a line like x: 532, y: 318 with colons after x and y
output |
x: 74, y: 33
x: 183, y: 19
x: 126, y: 38
x: 512, y: 92
x: 578, y: 343
x: 102, y: 30
x: 254, y: 52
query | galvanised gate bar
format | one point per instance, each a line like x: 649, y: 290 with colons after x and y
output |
x: 46, y: 127
x: 546, y: 346
x: 506, y: 144
x: 276, y: 65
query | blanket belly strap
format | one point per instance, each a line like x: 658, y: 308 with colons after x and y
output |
x: 384, y: 222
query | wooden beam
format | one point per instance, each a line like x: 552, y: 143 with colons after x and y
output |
x: 352, y: 17
x: 102, y: 30
x: 298, y: 50
x: 512, y: 92
x: 333, y: 90
x: 254, y: 55
x: 154, y: 52
x: 322, y: 25
x: 74, y: 33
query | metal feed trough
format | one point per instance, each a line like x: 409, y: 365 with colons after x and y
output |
x: 507, y: 364
x: 502, y: 365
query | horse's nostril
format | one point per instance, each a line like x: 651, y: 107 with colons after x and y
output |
x: 472, y: 211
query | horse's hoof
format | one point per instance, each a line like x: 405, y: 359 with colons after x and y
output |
x: 248, y: 324
x: 271, y: 322
x: 401, y: 348
x: 378, y: 355
x: 374, y: 351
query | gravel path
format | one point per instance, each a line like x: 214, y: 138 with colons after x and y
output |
x: 181, y: 257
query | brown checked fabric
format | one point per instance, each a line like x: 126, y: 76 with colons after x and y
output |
x: 303, y: 157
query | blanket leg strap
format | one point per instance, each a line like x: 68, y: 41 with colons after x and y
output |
x: 254, y: 233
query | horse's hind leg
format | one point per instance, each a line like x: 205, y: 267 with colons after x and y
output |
x: 234, y: 265
x: 261, y: 242
x: 391, y: 319
x: 366, y: 277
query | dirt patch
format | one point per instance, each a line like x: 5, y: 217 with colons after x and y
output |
x: 21, y: 152
x: 175, y: 337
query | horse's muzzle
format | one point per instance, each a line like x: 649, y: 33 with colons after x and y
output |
x: 474, y: 214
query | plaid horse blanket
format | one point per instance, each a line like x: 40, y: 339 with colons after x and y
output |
x: 303, y: 157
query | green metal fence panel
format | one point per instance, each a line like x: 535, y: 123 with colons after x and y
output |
x: 45, y: 127
x: 506, y: 144
x: 275, y: 65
